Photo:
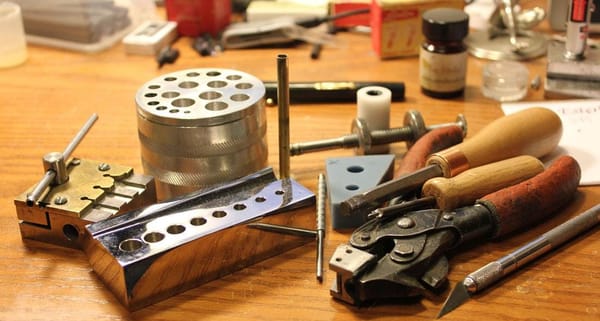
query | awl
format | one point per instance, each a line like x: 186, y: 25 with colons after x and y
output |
x: 494, y: 271
x: 534, y: 132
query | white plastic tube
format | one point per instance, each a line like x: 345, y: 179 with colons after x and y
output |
x: 373, y: 106
x: 13, y: 48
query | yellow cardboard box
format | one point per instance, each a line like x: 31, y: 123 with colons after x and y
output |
x: 396, y: 25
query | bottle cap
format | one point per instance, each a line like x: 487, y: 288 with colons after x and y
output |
x: 445, y: 24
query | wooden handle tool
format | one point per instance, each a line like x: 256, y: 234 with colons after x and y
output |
x: 466, y: 187
x: 534, y: 132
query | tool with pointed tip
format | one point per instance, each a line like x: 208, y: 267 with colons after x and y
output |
x: 494, y: 271
x: 404, y: 256
x: 534, y: 131
x: 466, y: 187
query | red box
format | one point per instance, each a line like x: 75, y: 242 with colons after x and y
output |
x: 339, y: 6
x: 197, y: 17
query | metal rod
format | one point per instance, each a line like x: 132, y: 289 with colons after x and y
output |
x: 79, y: 136
x: 283, y: 103
x: 321, y: 206
x: 282, y: 229
x: 50, y: 174
x: 37, y: 191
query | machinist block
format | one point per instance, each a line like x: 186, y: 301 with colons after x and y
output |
x: 348, y: 176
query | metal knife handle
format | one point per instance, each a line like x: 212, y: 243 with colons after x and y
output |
x: 531, y: 201
x: 494, y: 271
x: 534, y: 131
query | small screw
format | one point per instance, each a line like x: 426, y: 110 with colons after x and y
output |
x: 75, y: 161
x: 406, y: 222
x: 404, y: 250
x: 365, y: 236
x: 60, y: 200
x: 448, y: 217
x: 364, y: 139
x: 103, y: 167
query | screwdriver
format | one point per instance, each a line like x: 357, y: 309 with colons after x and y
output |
x: 466, y: 187
x: 534, y: 131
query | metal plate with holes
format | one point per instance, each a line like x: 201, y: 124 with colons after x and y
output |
x: 150, y: 254
x: 200, y: 127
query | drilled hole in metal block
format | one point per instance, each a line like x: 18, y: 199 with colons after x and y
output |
x: 279, y: 192
x: 234, y: 77
x: 240, y: 97
x: 170, y: 94
x: 216, y: 105
x: 154, y: 237
x: 197, y: 221
x: 70, y: 232
x: 352, y: 187
x: 182, y: 102
x: 188, y: 84
x: 217, y: 84
x: 130, y: 245
x: 355, y: 169
x: 243, y: 85
x: 175, y: 229
x: 219, y: 214
x: 260, y: 199
x: 210, y: 95
x: 213, y: 73
x: 239, y: 207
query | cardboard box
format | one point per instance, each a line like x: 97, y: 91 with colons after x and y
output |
x: 340, y: 6
x: 396, y: 25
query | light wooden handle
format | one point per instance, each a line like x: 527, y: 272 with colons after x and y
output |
x: 534, y: 131
x: 467, y: 187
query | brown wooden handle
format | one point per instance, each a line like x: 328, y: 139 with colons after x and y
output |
x: 464, y: 188
x: 432, y: 142
x: 534, y: 131
x: 529, y: 202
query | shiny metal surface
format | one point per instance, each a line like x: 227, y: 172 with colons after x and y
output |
x: 153, y: 253
x: 200, y: 127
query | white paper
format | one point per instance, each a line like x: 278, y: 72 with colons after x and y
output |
x: 581, y: 132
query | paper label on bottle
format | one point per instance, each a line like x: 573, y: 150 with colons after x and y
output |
x: 442, y: 72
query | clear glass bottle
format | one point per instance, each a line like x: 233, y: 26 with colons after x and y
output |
x: 443, y: 54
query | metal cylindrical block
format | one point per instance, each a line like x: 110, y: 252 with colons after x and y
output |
x: 201, y: 127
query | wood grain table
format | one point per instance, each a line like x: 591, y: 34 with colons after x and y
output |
x: 45, y: 101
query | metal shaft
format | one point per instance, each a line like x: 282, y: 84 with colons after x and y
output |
x: 283, y: 103
x: 494, y: 271
x: 375, y: 137
x: 50, y: 174
x: 321, y: 207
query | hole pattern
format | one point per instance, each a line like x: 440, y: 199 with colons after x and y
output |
x: 134, y: 244
x: 222, y: 88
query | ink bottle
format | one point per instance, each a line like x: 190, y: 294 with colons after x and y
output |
x: 443, y: 54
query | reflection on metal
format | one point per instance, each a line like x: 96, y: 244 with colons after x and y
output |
x: 94, y: 191
x: 200, y: 127
x: 155, y: 252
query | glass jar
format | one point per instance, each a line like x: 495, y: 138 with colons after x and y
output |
x: 443, y: 54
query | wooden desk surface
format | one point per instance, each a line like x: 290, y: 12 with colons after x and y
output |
x: 45, y: 101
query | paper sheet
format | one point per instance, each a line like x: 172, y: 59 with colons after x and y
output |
x: 581, y: 132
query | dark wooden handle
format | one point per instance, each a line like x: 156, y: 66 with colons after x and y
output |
x: 529, y: 202
x: 432, y: 142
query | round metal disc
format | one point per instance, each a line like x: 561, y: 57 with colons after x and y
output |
x: 497, y: 46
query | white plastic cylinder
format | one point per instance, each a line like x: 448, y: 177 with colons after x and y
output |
x: 13, y: 48
x: 373, y: 106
